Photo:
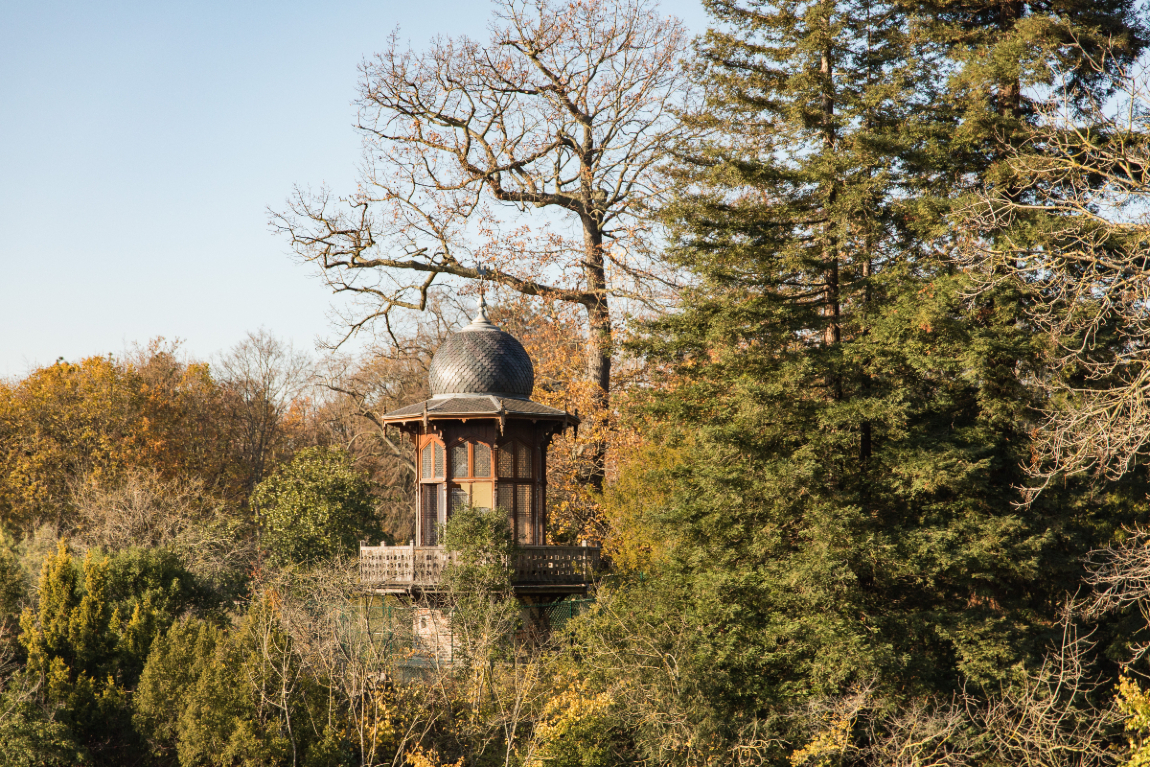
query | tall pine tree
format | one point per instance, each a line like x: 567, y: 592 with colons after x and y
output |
x: 855, y: 427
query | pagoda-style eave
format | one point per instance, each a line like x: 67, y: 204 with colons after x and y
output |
x: 424, y: 418
x: 410, y: 418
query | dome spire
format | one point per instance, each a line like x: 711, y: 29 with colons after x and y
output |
x: 480, y: 320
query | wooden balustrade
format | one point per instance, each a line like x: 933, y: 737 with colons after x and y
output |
x: 406, y: 566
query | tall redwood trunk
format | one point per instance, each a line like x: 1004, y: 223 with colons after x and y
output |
x: 832, y: 301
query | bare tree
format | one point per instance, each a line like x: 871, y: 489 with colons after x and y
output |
x: 1119, y: 576
x: 1049, y: 716
x: 1079, y: 243
x: 1053, y: 716
x: 263, y: 378
x: 360, y: 389
x: 534, y: 155
x: 394, y: 696
x: 332, y: 640
x: 860, y: 727
x: 922, y: 733
x: 144, y: 509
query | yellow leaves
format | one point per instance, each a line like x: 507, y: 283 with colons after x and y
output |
x: 383, y: 721
x: 630, y: 505
x: 828, y: 745
x: 1134, y: 702
x: 572, y: 715
x: 420, y: 757
x: 572, y: 705
x: 97, y: 419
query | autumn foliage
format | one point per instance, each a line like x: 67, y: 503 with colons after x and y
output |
x: 101, y: 418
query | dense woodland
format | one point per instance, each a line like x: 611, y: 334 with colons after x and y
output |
x: 851, y: 298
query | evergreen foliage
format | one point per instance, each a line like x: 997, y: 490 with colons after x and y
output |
x: 30, y: 738
x: 315, y: 507
x: 1000, y: 55
x: 211, y: 697
x: 845, y: 511
x: 87, y: 640
x: 13, y: 591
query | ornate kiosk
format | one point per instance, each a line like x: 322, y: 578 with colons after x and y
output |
x: 481, y: 441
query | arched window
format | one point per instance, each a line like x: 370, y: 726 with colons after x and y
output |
x: 433, y: 461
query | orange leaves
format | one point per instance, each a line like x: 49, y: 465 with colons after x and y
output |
x: 96, y: 419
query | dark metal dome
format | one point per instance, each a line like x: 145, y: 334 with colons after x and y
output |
x: 481, y: 359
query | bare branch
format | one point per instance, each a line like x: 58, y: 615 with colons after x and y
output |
x: 492, y: 153
x: 1078, y: 242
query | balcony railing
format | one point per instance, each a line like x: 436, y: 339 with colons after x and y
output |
x: 383, y: 567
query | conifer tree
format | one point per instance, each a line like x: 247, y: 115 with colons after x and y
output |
x: 998, y: 50
x: 847, y: 513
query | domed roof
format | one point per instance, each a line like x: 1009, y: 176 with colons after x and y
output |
x: 481, y: 359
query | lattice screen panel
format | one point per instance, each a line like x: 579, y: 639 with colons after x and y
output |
x: 459, y: 461
x: 507, y: 461
x: 482, y: 459
x: 523, y: 513
x: 430, y: 515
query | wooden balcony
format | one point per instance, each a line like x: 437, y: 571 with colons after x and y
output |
x: 535, y: 569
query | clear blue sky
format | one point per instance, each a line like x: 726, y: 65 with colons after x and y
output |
x: 141, y: 144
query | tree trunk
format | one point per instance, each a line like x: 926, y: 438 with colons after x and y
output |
x: 1010, y: 93
x: 832, y: 306
x: 864, y: 378
x: 599, y: 344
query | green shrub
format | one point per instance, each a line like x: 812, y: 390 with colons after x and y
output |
x: 315, y: 507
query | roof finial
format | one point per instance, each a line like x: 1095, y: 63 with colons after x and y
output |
x: 481, y: 321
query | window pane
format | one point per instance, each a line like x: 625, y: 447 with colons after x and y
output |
x: 505, y: 497
x: 430, y: 515
x: 458, y: 499
x: 524, y: 462
x: 427, y: 462
x: 438, y: 461
x: 481, y: 495
x: 507, y: 461
x: 482, y: 458
x: 523, y: 513
x: 459, y: 460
